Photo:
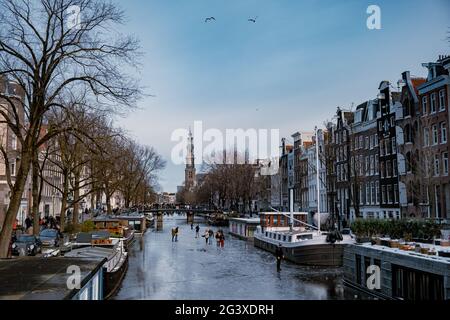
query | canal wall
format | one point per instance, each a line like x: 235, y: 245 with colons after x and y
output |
x: 403, y: 275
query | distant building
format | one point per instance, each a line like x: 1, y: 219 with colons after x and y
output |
x: 189, y: 172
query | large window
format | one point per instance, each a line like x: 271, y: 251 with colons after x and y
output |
x: 436, y: 165
x: 14, y: 142
x: 396, y: 193
x: 388, y: 169
x: 443, y: 132
x: 377, y: 190
x: 445, y: 163
x: 394, y: 145
x: 435, y: 135
x: 383, y: 194
x: 433, y: 102
x: 442, y: 100
x: 13, y: 168
x: 377, y: 164
x: 424, y: 105
x: 389, y: 194
x: 395, y: 168
x: 372, y: 165
x: 410, y: 284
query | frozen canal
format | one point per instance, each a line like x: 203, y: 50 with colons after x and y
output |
x: 191, y: 270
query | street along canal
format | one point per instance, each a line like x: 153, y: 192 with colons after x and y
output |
x: 160, y: 269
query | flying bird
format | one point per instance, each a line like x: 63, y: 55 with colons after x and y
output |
x: 253, y: 20
x: 209, y: 19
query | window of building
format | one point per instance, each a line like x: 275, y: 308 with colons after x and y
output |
x: 367, y: 166
x: 424, y: 105
x: 426, y: 137
x: 443, y: 132
x: 442, y: 100
x: 361, y: 165
x: 352, y: 168
x: 13, y: 168
x: 388, y: 169
x: 433, y: 103
x: 368, y: 193
x: 361, y: 142
x: 367, y: 143
x: 394, y: 145
x: 388, y: 146
x: 376, y: 140
x: 14, y: 142
x: 389, y: 194
x: 372, y: 193
x: 435, y: 135
x: 383, y: 169
x: 377, y: 191
x: 445, y: 163
x: 383, y: 194
x: 395, y: 168
x: 377, y: 164
x: 436, y: 165
x: 396, y: 193
x: 382, y: 148
x: 372, y: 165
x: 408, y: 162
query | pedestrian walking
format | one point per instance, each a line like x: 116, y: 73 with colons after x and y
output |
x: 211, y: 236
x: 197, y: 231
x: 192, y: 226
x: 279, y: 255
x: 176, y: 234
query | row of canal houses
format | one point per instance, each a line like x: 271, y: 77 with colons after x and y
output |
x: 386, y: 158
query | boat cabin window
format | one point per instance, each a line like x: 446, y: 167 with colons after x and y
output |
x: 304, y: 237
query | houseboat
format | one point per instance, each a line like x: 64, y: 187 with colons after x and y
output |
x: 243, y: 228
x: 115, y: 266
x: 302, y: 243
x: 136, y: 222
x: 408, y: 272
x: 116, y: 228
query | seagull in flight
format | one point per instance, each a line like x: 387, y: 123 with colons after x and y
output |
x: 209, y: 19
x: 253, y: 20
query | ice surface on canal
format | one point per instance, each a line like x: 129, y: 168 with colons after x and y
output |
x: 190, y: 270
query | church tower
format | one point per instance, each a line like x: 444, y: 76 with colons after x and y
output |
x: 189, y: 172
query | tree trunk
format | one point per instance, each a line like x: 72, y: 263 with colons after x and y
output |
x: 35, y: 193
x: 64, y: 202
x: 108, y: 203
x: 16, y: 198
x: 76, y: 199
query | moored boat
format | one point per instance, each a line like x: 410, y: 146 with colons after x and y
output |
x: 115, y: 266
x: 312, y: 248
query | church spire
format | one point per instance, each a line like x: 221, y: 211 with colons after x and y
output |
x: 190, y: 178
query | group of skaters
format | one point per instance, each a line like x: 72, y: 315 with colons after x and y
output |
x: 209, y: 236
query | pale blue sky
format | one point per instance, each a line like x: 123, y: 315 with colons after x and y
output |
x: 296, y: 64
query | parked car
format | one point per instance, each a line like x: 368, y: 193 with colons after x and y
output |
x: 49, y: 238
x: 26, y: 245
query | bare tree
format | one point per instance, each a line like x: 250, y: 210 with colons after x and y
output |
x: 49, y: 58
